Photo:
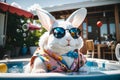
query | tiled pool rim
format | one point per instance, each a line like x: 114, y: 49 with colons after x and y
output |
x: 37, y: 76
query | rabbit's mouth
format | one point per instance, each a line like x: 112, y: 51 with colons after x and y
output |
x: 68, y: 44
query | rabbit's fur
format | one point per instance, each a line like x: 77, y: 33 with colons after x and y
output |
x: 59, y: 46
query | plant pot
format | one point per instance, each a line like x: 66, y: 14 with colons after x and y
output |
x: 24, y: 50
x: 32, y: 49
x: 17, y: 51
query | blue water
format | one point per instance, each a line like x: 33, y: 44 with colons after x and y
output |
x: 16, y: 67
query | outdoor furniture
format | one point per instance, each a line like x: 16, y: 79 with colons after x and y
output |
x: 109, y: 50
x: 99, y: 47
x: 90, y: 48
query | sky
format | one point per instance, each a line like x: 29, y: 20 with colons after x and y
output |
x: 26, y: 4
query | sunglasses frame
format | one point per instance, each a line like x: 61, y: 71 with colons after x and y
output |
x: 74, y: 35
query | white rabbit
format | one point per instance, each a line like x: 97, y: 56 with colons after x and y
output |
x: 62, y: 38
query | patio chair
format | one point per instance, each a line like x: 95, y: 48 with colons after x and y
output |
x: 91, y: 50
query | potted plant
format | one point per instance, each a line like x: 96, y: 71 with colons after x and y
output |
x: 34, y: 39
x: 19, y: 40
x: 35, y: 31
x: 14, y: 34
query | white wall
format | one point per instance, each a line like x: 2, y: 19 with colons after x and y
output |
x: 2, y: 18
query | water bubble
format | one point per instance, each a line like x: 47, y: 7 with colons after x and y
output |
x: 84, y: 69
x: 15, y: 69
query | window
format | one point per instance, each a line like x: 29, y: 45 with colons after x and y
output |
x: 104, y: 32
x: 112, y: 30
x: 84, y: 30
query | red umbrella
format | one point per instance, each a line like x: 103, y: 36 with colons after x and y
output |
x: 14, y: 10
x: 33, y: 27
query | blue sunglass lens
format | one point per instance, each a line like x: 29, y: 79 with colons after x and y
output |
x: 75, y: 32
x: 59, y: 32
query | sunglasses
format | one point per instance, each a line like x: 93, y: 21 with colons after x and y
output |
x: 59, y: 32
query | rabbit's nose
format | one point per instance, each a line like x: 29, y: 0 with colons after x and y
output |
x: 68, y: 40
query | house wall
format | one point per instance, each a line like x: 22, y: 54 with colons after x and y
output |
x: 2, y: 18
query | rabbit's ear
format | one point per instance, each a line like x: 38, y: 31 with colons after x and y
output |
x: 46, y: 19
x: 77, y: 17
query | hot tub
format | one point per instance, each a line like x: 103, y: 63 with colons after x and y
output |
x: 95, y: 69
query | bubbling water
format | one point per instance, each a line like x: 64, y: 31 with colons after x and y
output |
x: 86, y: 69
x: 15, y: 69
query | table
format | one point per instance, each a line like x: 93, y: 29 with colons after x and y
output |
x: 99, y: 46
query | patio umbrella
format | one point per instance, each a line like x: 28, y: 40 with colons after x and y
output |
x: 14, y: 10
x: 33, y: 27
